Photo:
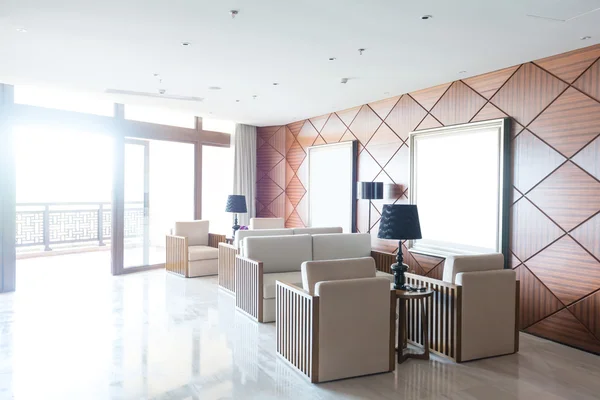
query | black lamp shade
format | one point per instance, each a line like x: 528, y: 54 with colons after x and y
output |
x: 370, y: 190
x: 400, y: 222
x: 236, y: 203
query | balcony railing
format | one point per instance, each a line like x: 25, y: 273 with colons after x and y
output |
x: 48, y: 224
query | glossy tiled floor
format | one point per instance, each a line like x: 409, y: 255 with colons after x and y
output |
x: 72, y: 331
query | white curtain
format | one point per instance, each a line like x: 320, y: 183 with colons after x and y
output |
x: 244, y: 172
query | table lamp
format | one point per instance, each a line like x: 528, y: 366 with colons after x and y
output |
x: 370, y: 191
x: 236, y: 203
x: 400, y: 222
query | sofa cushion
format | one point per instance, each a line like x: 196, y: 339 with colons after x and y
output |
x: 267, y: 223
x: 195, y: 231
x: 196, y: 253
x: 334, y: 246
x: 279, y: 253
x: 269, y: 282
x: 318, y: 230
x: 471, y: 263
x: 334, y: 270
x: 240, y: 235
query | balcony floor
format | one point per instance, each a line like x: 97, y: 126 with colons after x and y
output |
x: 72, y: 331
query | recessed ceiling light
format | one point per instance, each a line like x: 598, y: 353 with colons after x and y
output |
x: 275, y: 83
x: 214, y: 88
x: 21, y: 30
x: 331, y: 58
x: 186, y: 44
x: 254, y: 96
x: 387, y: 93
x: 233, y: 13
x: 360, y: 51
x: 427, y: 16
x: 585, y: 37
x: 462, y: 72
x: 237, y: 101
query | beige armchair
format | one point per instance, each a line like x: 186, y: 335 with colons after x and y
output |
x: 474, y: 311
x: 192, y: 250
x: 340, y: 324
x: 266, y: 223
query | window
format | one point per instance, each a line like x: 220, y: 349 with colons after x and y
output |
x: 162, y: 116
x: 217, y: 184
x: 457, y: 181
x: 62, y: 100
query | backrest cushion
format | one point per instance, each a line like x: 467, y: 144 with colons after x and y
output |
x: 334, y: 246
x: 318, y: 230
x: 471, y: 263
x: 240, y: 235
x: 333, y: 270
x: 279, y: 253
x: 195, y: 231
x: 267, y: 223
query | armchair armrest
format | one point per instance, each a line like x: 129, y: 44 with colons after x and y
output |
x: 249, y: 287
x: 297, y: 329
x: 214, y: 239
x: 383, y: 261
x: 227, y: 253
x: 177, y: 255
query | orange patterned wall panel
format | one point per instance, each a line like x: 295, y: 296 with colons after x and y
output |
x: 554, y: 104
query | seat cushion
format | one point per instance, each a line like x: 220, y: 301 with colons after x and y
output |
x: 471, y: 263
x: 269, y: 282
x: 267, y: 223
x: 317, y: 230
x: 341, y: 245
x: 279, y: 253
x: 196, y: 253
x: 195, y: 231
x: 314, y: 272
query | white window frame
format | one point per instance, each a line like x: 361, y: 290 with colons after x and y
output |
x: 443, y: 249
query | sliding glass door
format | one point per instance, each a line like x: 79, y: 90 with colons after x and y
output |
x: 159, y: 190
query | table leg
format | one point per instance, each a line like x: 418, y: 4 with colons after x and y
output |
x: 424, y: 331
x: 401, y: 329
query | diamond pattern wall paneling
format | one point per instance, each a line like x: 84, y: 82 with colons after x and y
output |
x: 554, y: 105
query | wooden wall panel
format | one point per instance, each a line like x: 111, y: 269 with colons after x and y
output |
x: 555, y: 217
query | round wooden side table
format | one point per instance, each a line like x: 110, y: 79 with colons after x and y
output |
x: 403, y: 296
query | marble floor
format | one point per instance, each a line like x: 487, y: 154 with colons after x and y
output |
x: 72, y: 331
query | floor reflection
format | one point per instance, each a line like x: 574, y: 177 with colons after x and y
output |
x: 72, y: 331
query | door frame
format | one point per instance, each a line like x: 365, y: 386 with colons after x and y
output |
x: 8, y: 190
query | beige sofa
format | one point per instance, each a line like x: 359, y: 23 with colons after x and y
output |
x: 339, y: 299
x: 227, y: 252
x: 476, y: 306
x: 192, y: 251
x: 267, y: 259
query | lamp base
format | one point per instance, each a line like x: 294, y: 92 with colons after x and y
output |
x: 235, y: 226
x: 398, y: 269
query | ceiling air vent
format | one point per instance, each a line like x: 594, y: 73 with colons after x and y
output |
x: 160, y: 95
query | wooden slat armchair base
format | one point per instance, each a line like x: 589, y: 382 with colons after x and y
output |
x: 308, y: 328
x: 192, y: 251
x: 461, y: 317
x: 227, y: 253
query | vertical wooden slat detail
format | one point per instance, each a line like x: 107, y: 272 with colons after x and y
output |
x: 177, y: 255
x: 249, y: 287
x: 296, y: 329
x: 443, y: 317
x: 227, y: 253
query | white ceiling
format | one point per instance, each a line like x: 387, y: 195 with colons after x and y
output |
x: 119, y: 44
